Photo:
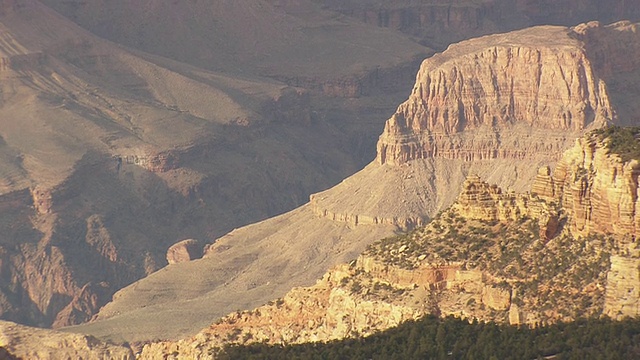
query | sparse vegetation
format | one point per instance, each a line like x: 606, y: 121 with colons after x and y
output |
x: 624, y: 141
x: 548, y: 275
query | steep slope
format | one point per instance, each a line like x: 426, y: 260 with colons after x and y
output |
x: 253, y: 264
x: 108, y: 156
x: 500, y: 106
x: 492, y: 256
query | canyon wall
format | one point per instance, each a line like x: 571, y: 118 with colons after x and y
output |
x: 598, y: 190
x: 525, y: 258
x: 501, y: 107
x: 623, y: 288
x: 96, y: 183
x: 468, y: 100
x: 438, y: 23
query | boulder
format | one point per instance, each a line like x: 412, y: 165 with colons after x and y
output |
x: 183, y: 251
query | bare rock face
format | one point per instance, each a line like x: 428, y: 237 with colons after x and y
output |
x: 623, y: 288
x: 469, y: 101
x: 25, y: 342
x: 598, y: 190
x: 84, y: 304
x: 500, y: 106
x: 496, y: 298
x: 543, y: 183
x: 96, y: 184
x: 440, y: 22
x: 185, y: 250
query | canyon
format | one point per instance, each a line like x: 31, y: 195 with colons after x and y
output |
x: 493, y: 256
x: 24, y: 342
x: 424, y: 158
x: 137, y: 141
x: 110, y: 155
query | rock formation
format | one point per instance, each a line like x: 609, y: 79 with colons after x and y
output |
x: 623, y: 288
x: 598, y: 190
x: 23, y: 342
x: 497, y: 256
x: 500, y: 106
x: 468, y: 100
x: 96, y: 181
x: 185, y: 250
x: 500, y: 132
x: 438, y: 23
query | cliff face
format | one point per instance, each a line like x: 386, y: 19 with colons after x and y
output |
x: 440, y: 22
x: 623, y: 288
x: 501, y: 107
x: 598, y: 190
x: 468, y: 99
x: 494, y: 255
x: 96, y: 183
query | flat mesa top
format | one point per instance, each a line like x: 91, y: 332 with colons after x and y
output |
x: 538, y: 37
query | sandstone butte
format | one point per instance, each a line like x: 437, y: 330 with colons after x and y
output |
x: 397, y: 280
x: 500, y: 106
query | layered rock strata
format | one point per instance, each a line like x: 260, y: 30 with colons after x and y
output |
x: 623, y: 288
x: 597, y: 189
x: 440, y: 22
x: 500, y: 106
x: 468, y: 99
x: 95, y: 181
x: 185, y: 250
x: 515, y: 109
x: 493, y: 255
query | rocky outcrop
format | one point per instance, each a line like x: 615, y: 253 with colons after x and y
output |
x: 496, y: 298
x: 471, y: 101
x: 543, y: 185
x: 24, y: 342
x: 492, y: 256
x: 84, y: 304
x: 322, y: 312
x: 597, y: 189
x: 591, y: 185
x: 622, y: 298
x: 440, y: 22
x: 430, y: 276
x: 41, y: 200
x: 364, y: 219
x: 479, y: 200
x: 185, y: 250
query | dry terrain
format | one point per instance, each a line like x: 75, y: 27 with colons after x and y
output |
x: 442, y: 133
x: 493, y: 256
x: 128, y: 127
x: 109, y: 155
